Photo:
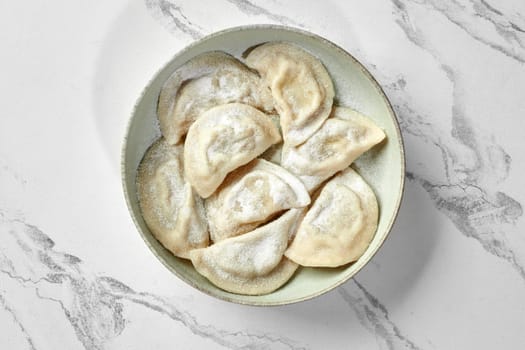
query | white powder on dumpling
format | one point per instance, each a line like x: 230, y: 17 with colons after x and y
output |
x: 251, y: 259
x: 253, y: 254
x: 173, y: 213
x: 279, y: 193
x: 249, y: 201
x: 322, y: 218
x: 251, y: 196
x: 242, y: 259
x: 249, y: 204
x: 206, y: 81
x: 197, y: 226
x: 265, y: 253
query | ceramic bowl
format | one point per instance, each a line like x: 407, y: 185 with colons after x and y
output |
x: 383, y: 167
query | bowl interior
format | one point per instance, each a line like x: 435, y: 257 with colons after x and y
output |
x: 382, y: 167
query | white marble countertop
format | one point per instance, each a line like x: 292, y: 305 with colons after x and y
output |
x: 75, y: 273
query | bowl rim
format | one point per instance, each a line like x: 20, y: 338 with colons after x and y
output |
x: 378, y: 88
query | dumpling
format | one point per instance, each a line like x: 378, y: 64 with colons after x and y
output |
x: 221, y: 140
x: 252, y: 263
x: 250, y: 196
x: 341, y: 139
x: 301, y: 87
x: 171, y: 209
x: 257, y: 285
x: 207, y: 80
x: 340, y: 224
x: 273, y: 154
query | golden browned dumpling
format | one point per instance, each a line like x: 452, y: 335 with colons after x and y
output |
x: 205, y: 81
x: 221, y: 140
x: 339, y: 225
x: 250, y: 196
x: 251, y: 263
x: 341, y: 139
x: 301, y: 87
x: 171, y: 209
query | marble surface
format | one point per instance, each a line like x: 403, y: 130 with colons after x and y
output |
x: 74, y: 272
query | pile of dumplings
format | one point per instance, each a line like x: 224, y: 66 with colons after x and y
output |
x: 251, y: 176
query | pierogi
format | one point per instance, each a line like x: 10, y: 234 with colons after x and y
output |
x: 339, y: 225
x: 250, y: 196
x: 251, y: 263
x: 301, y: 87
x: 221, y: 140
x: 341, y: 139
x: 273, y: 154
x: 205, y: 81
x: 170, y: 207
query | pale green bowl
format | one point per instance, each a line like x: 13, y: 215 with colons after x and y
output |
x: 383, y: 167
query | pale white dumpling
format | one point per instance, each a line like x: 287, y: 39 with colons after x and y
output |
x: 251, y: 263
x: 171, y: 209
x: 341, y: 139
x: 250, y: 196
x: 340, y: 224
x: 273, y: 154
x: 301, y: 87
x: 221, y: 140
x: 207, y: 80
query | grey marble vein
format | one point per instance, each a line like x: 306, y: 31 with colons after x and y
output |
x: 478, y: 215
x: 95, y: 305
x: 27, y: 337
x: 172, y: 16
x: 473, y: 15
x: 374, y: 316
x: 476, y: 210
x: 490, y: 8
x: 251, y: 8
x: 465, y: 196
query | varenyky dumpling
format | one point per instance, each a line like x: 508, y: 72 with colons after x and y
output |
x: 341, y: 139
x: 251, y: 263
x: 171, y: 209
x: 301, y: 87
x: 221, y: 140
x: 250, y: 196
x: 339, y: 225
x: 273, y: 154
x: 207, y: 80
